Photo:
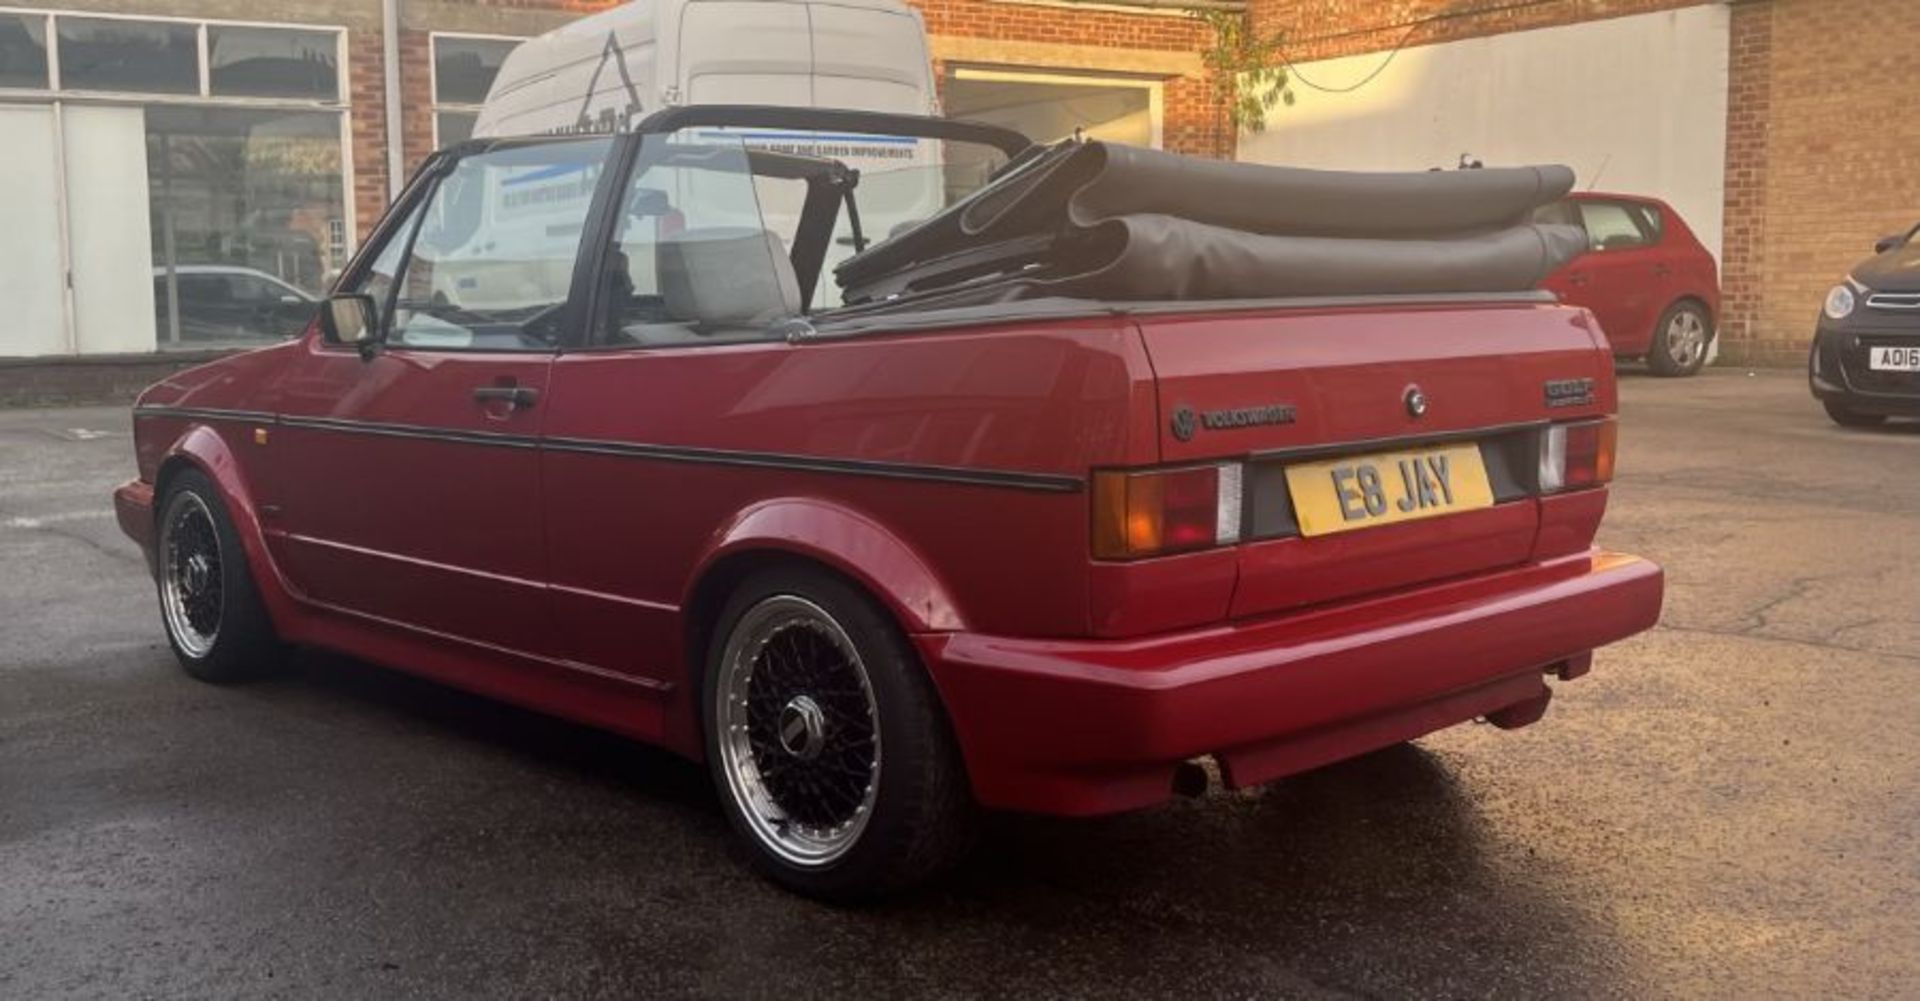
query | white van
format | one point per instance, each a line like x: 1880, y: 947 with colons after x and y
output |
x: 607, y: 72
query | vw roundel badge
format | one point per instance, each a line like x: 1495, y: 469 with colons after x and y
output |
x: 1416, y: 402
x: 1184, y: 423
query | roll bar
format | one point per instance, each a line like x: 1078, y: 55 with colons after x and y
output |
x: 762, y: 116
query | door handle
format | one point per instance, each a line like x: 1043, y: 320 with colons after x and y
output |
x: 516, y: 397
x: 1661, y: 270
x: 1577, y: 278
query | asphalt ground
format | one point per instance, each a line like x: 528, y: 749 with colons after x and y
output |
x: 1726, y: 806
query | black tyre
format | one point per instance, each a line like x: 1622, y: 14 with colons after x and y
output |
x: 1847, y: 417
x: 832, y: 755
x: 1680, y: 340
x: 208, y: 603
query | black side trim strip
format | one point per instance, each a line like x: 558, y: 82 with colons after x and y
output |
x: 853, y: 467
x: 1043, y: 482
x: 497, y: 438
x: 207, y: 413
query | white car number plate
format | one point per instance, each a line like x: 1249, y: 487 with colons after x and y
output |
x: 1891, y: 359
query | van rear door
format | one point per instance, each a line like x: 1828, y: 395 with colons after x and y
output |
x: 734, y: 52
x: 870, y: 60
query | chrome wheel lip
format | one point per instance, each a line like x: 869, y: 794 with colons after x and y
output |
x: 795, y: 844
x: 189, y: 562
x: 1686, y: 338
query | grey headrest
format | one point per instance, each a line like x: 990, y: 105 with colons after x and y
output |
x: 727, y: 277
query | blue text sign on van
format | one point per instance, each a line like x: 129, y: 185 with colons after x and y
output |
x: 833, y: 145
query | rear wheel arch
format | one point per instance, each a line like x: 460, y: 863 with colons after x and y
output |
x: 723, y: 576
x: 845, y: 541
x: 1696, y: 299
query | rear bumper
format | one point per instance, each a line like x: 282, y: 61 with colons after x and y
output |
x: 1096, y: 726
x: 133, y: 507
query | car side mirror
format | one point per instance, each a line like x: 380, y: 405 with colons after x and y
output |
x: 349, y: 318
x: 1887, y: 243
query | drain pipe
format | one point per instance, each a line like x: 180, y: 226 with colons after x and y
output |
x: 390, y: 63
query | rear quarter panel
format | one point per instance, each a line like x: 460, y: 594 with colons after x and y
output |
x: 1693, y: 264
x: 727, y: 431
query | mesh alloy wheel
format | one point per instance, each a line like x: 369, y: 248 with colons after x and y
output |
x: 192, y: 581
x: 798, y: 731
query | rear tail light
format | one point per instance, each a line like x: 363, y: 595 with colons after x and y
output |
x: 1163, y: 511
x: 1573, y: 456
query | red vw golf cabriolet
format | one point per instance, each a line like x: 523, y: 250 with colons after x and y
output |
x: 1119, y: 461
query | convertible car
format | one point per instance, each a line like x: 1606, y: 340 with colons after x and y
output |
x: 1121, y: 461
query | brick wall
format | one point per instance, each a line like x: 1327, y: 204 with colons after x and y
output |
x: 1749, y: 106
x: 1058, y: 23
x: 367, y: 123
x: 1823, y: 157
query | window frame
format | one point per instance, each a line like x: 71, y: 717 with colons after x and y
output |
x: 1636, y: 215
x: 56, y: 89
x: 602, y: 211
x: 433, y: 76
x: 55, y: 94
x: 341, y: 86
x: 418, y: 194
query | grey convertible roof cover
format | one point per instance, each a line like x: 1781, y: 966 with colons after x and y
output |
x: 1102, y: 220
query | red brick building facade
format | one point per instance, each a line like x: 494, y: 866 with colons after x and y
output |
x: 1822, y: 150
x: 1807, y: 188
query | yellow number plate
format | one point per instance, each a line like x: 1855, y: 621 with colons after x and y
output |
x: 1340, y: 495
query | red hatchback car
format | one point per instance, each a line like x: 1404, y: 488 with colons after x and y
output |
x: 1645, y: 276
x: 570, y: 432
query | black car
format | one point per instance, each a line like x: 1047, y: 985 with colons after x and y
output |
x: 1865, y: 365
x: 228, y: 304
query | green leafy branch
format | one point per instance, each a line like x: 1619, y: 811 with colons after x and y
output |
x: 1246, y: 71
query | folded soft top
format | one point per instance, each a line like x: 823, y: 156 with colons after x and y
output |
x: 1107, y: 221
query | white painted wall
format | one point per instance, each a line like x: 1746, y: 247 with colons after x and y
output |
x: 109, y: 230
x: 1633, y: 104
x: 31, y: 269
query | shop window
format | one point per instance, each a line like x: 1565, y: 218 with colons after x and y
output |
x: 243, y: 201
x: 272, y: 62
x: 463, y: 71
x: 23, y: 51
x: 149, y: 57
